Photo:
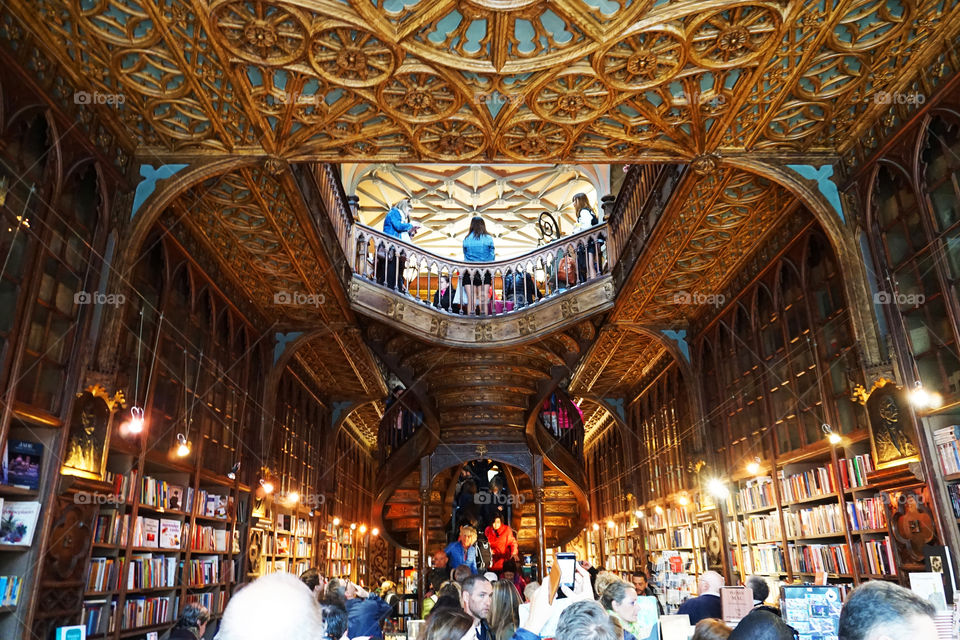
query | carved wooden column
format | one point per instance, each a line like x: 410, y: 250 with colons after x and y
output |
x: 425, y: 478
x: 538, y: 497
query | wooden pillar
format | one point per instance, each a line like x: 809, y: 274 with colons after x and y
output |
x: 425, y: 479
x: 538, y: 496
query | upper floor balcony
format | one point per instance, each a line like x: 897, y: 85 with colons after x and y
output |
x: 506, y: 301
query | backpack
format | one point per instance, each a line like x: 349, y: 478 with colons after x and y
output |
x: 484, y: 556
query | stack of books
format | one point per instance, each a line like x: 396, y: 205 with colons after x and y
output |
x: 853, y: 471
x: 947, y: 441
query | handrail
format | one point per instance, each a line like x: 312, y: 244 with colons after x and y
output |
x: 637, y: 208
x: 561, y: 418
x: 402, y: 419
x: 505, y: 285
x: 335, y: 200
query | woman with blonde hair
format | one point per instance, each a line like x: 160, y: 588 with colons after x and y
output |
x: 504, y: 610
x: 619, y: 599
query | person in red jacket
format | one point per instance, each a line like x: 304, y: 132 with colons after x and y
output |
x: 503, y: 544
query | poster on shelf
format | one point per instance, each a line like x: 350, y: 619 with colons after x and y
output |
x: 736, y: 603
x: 676, y: 627
x: 929, y: 586
x: 814, y: 611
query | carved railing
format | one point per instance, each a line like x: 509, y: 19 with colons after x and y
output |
x: 561, y: 418
x: 400, y: 422
x: 509, y: 285
x: 335, y: 199
x: 643, y: 194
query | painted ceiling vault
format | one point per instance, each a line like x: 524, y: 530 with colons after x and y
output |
x: 465, y: 80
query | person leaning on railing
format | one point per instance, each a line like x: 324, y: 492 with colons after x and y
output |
x: 396, y: 225
x: 478, y: 247
x: 586, y: 257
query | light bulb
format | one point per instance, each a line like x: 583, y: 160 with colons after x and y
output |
x: 683, y: 501
x: 659, y: 510
x: 363, y: 528
x: 611, y: 524
x: 923, y: 399
x: 639, y: 514
x: 336, y: 522
x: 596, y: 527
x: 834, y: 438
x: 375, y: 531
x: 353, y: 525
x: 753, y: 468
x: 718, y: 489
x: 135, y: 423
x: 293, y: 497
x: 267, y: 486
x: 183, y: 449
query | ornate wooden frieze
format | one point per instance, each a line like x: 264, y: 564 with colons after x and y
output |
x: 406, y: 314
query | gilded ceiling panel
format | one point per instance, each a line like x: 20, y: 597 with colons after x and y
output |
x: 464, y: 80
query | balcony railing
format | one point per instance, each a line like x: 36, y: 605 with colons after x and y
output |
x: 643, y: 195
x: 402, y: 419
x: 487, y: 288
x: 562, y: 419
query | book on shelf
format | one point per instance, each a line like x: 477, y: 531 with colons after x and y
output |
x: 937, y: 559
x: 757, y: 494
x: 18, y: 522
x: 821, y: 520
x: 149, y: 571
x: 761, y: 528
x: 140, y: 611
x: 929, y: 586
x: 10, y: 587
x: 161, y: 494
x: 124, y: 484
x: 103, y: 574
x: 853, y: 471
x: 99, y: 616
x: 805, y: 485
x: 875, y: 557
x: 204, y: 570
x: 283, y: 545
x: 146, y: 532
x: 111, y: 528
x: 947, y: 441
x: 22, y: 460
x: 826, y: 558
x: 169, y: 537
x: 867, y: 513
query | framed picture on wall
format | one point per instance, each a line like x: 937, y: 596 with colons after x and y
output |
x: 892, y: 436
x: 89, y: 434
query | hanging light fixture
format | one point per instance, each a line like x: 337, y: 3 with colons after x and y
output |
x: 293, y: 497
x: 183, y: 449
x: 833, y: 438
x: 753, y: 467
x: 266, y: 485
x: 336, y: 522
x: 363, y: 529
x: 375, y: 531
x: 232, y: 474
x: 135, y: 424
x: 920, y: 398
x: 718, y: 488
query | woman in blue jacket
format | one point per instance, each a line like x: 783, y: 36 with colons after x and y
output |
x: 396, y: 225
x: 478, y: 247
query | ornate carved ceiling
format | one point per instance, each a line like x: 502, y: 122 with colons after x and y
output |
x: 365, y: 421
x: 460, y: 80
x: 510, y: 198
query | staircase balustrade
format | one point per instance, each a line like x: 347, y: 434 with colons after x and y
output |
x: 563, y: 420
x: 402, y: 419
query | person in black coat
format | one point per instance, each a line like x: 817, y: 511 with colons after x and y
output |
x: 443, y: 296
x: 192, y: 623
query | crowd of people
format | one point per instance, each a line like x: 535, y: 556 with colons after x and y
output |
x: 600, y: 606
x: 475, y: 294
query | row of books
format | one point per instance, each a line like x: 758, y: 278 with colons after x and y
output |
x: 148, y: 571
x: 853, y: 471
x: 103, y: 574
x: 139, y: 611
x: 947, y: 441
x: 953, y: 490
x: 811, y: 483
x: 99, y: 616
x: 212, y: 601
x: 160, y: 493
x: 161, y: 533
x: 677, y: 516
x: 682, y: 537
x: 10, y: 587
x: 339, y: 550
x: 766, y: 558
x: 815, y: 558
x: 875, y: 557
x: 204, y: 571
x: 658, y: 540
x: 208, y: 538
x: 124, y: 484
x: 757, y: 494
x: 111, y: 528
x: 867, y: 513
x: 762, y: 528
x: 304, y: 547
x: 824, y: 519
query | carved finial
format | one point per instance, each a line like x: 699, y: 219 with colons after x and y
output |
x: 705, y: 164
